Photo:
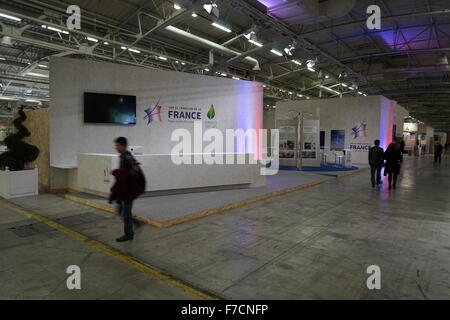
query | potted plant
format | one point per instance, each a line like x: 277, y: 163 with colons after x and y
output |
x: 15, y: 179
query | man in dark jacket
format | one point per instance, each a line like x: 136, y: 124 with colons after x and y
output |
x: 376, y: 161
x: 126, y: 187
x: 438, y: 150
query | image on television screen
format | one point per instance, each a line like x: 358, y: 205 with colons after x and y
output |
x: 109, y: 108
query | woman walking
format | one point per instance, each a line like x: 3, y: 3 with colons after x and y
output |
x: 392, y: 166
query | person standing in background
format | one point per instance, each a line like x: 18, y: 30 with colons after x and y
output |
x: 392, y: 165
x: 376, y: 160
x: 438, y: 150
x: 401, y: 148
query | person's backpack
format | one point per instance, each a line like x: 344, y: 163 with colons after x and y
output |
x: 140, y: 177
x: 141, y: 180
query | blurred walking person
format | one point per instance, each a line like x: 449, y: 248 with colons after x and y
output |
x: 376, y: 160
x: 392, y: 165
x: 438, y: 150
x: 129, y: 184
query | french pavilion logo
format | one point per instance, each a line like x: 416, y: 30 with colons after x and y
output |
x: 153, y: 111
x: 360, y: 130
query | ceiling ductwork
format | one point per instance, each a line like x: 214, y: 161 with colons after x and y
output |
x: 308, y: 11
x: 212, y: 45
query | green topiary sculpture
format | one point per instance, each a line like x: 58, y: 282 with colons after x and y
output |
x: 19, y: 153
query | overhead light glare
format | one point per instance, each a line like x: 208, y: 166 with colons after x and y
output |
x: 162, y: 58
x: 176, y: 6
x: 297, y: 62
x: 194, y: 15
x: 92, y: 39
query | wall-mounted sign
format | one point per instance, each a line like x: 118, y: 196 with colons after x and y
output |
x: 359, y: 147
x: 179, y: 114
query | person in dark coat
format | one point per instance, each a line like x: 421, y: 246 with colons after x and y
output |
x: 392, y: 165
x: 376, y: 160
x: 438, y: 150
x: 126, y: 187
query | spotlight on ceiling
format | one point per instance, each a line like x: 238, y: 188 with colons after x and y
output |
x: 212, y: 8
x: 250, y: 35
x: 343, y: 75
x: 289, y: 50
x: 311, y: 63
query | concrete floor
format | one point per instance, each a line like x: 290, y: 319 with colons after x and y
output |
x: 315, y: 243
x: 164, y: 208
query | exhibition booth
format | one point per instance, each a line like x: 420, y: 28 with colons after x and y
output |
x: 336, y: 131
x: 92, y: 103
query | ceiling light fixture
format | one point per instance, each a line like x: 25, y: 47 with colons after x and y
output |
x: 54, y: 29
x: 92, y: 39
x: 7, y: 16
x: 162, y: 58
x: 194, y: 15
x: 297, y: 62
x: 219, y: 26
x: 311, y: 63
x: 256, y: 43
x: 212, y: 8
x: 250, y: 35
x: 289, y: 49
x: 37, y: 74
x: 176, y: 6
x: 276, y: 52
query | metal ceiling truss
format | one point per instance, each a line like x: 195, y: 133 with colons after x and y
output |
x: 117, y: 38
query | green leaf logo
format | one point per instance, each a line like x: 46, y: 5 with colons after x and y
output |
x: 211, y: 113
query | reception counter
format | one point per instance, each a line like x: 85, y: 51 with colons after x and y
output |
x: 93, y: 174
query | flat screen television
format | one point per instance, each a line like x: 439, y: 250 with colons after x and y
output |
x: 109, y: 108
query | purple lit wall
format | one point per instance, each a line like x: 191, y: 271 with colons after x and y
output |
x: 386, y: 121
x: 249, y: 112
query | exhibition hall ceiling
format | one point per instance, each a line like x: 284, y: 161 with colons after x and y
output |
x: 299, y: 49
